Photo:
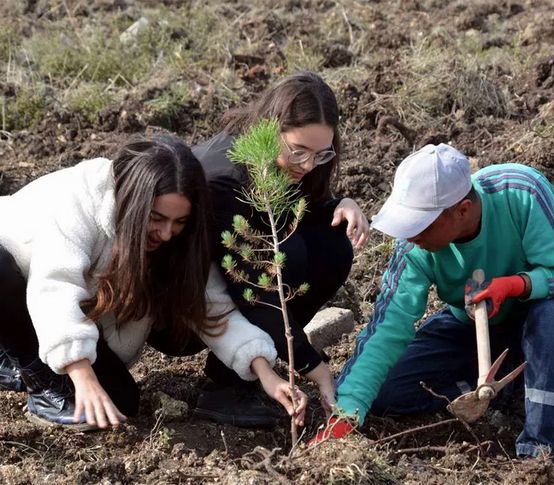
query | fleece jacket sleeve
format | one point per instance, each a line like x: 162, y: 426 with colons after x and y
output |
x: 237, y: 343
x: 60, y: 261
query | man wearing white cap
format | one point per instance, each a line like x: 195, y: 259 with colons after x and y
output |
x: 447, y: 224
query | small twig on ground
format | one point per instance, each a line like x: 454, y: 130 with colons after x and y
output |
x: 506, y: 454
x: 224, y: 442
x: 438, y: 449
x: 157, y: 426
x: 24, y: 446
x: 295, y: 444
x: 433, y: 393
x: 464, y: 423
x: 422, y: 449
x: 413, y: 430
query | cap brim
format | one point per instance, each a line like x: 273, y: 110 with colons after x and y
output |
x: 403, y: 222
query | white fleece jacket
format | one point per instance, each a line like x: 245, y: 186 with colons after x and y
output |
x: 57, y: 228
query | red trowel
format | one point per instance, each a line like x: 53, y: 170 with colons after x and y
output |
x: 472, y: 405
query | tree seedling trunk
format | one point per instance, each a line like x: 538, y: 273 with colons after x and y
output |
x: 279, y: 205
x: 288, y: 332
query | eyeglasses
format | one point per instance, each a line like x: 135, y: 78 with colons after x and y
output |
x: 298, y: 157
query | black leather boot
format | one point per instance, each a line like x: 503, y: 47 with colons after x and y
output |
x: 244, y: 405
x: 10, y: 380
x: 51, y: 399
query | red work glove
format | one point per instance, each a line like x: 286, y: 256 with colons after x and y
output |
x: 336, y: 428
x: 494, y: 292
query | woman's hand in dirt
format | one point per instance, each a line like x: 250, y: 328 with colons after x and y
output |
x: 357, y: 229
x: 91, y: 398
x: 321, y: 375
x: 280, y: 390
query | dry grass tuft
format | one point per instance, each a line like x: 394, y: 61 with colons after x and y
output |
x: 439, y: 82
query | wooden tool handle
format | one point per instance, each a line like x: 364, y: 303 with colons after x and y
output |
x: 482, y: 332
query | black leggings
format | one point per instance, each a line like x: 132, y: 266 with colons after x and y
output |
x: 18, y: 338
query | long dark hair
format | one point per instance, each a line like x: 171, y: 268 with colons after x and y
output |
x: 296, y: 101
x: 169, y: 283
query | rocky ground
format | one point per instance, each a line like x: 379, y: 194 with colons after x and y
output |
x: 78, y: 78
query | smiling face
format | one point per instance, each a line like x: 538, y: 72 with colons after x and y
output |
x: 314, y: 140
x: 167, y: 219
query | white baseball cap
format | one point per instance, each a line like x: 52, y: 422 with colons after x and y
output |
x: 428, y: 181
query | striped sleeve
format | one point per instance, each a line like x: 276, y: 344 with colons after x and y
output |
x: 531, y: 200
x: 401, y: 302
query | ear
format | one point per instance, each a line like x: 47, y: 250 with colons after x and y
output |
x: 464, y: 207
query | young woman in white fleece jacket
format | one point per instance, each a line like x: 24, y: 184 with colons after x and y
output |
x: 96, y: 258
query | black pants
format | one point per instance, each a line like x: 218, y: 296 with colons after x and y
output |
x: 216, y: 370
x: 18, y: 338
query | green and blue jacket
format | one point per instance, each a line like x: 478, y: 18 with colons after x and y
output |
x: 516, y: 236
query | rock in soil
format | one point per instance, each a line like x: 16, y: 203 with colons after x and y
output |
x: 328, y: 326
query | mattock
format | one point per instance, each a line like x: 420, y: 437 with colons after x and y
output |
x: 472, y: 405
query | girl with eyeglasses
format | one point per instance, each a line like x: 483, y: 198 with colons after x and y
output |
x: 320, y: 251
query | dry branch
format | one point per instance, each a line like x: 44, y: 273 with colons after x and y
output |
x: 464, y: 423
x: 413, y: 430
x: 409, y: 134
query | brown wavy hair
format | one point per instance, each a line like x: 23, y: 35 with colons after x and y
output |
x: 169, y: 283
x: 296, y: 101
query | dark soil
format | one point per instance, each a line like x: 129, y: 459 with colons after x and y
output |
x: 362, y: 47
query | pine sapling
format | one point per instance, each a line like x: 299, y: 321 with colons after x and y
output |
x: 279, y: 204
